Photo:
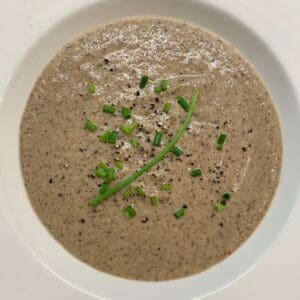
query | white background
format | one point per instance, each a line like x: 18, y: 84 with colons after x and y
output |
x: 276, y: 276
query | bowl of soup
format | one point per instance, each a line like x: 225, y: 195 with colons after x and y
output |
x: 151, y: 151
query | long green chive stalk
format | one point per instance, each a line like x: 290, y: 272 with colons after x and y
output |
x: 127, y: 181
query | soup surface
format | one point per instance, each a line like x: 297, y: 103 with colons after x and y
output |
x: 59, y: 155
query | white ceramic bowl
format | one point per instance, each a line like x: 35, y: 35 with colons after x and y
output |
x: 17, y: 207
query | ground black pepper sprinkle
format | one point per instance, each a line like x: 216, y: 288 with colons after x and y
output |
x: 244, y: 149
x: 82, y: 220
x: 106, y: 61
x: 137, y: 93
x: 223, y: 202
x: 184, y: 206
x: 50, y: 180
x: 145, y: 220
x: 157, y: 100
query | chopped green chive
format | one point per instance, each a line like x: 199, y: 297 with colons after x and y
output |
x: 157, y: 139
x: 167, y: 107
x: 91, y: 88
x: 157, y: 90
x: 220, y: 141
x: 183, y: 103
x: 125, y: 112
x: 139, y: 191
x: 144, y: 81
x: 107, y: 108
x: 103, y: 165
x: 226, y: 196
x: 134, y: 142
x: 127, y: 192
x: 110, y: 174
x: 118, y: 164
x: 196, y: 173
x: 219, y: 207
x: 101, y: 173
x: 153, y: 200
x: 104, y: 187
x: 89, y: 125
x: 175, y: 150
x: 179, y: 213
x: 105, y: 136
x: 164, y: 85
x: 146, y: 167
x: 112, y: 139
x: 129, y: 212
x: 127, y: 129
x: 165, y: 187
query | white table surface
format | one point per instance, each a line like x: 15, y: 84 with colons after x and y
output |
x: 275, y: 277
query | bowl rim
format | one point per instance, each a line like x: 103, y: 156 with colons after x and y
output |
x: 39, y: 253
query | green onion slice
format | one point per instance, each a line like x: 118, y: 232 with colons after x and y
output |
x: 165, y: 187
x: 89, y: 125
x: 128, y: 129
x: 157, y: 139
x: 127, y: 193
x: 196, y: 173
x: 175, y: 150
x: 129, y: 212
x: 179, y: 213
x: 104, y: 187
x: 183, y: 103
x: 91, y: 88
x: 107, y: 108
x: 220, y: 141
x: 153, y: 200
x: 143, y: 81
x: 118, y: 164
x: 134, y: 142
x: 139, y: 191
x: 125, y: 112
x: 220, y: 207
x: 167, y: 107
x: 101, y: 173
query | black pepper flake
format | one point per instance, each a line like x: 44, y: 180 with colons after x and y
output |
x: 82, y: 220
x: 221, y: 224
x: 217, y: 127
x: 137, y: 93
x: 111, y: 69
x: 152, y: 106
x: 106, y: 61
x: 50, y: 180
x: 223, y: 202
x: 250, y: 130
x: 91, y: 176
x: 184, y: 206
x: 129, y: 85
x: 157, y: 100
x: 59, y: 195
x: 244, y: 149
x: 145, y: 220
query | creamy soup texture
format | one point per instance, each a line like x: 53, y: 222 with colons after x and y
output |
x: 59, y: 156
